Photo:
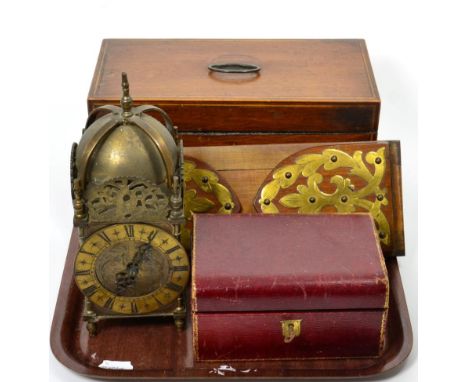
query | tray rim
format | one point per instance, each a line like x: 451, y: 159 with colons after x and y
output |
x: 66, y: 359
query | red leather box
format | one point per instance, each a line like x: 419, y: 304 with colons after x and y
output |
x: 287, y: 287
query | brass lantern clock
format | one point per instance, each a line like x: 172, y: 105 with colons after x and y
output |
x: 127, y: 188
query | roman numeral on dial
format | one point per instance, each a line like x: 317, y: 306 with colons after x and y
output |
x: 89, y: 291
x: 104, y: 237
x: 152, y: 235
x: 174, y: 287
x: 87, y: 253
x: 180, y: 268
x: 157, y: 300
x: 134, y: 307
x: 173, y: 249
x: 83, y: 273
x: 130, y: 230
x: 109, y: 302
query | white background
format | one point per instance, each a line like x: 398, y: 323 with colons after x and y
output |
x: 49, y: 50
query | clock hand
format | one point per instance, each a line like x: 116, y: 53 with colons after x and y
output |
x: 127, y: 278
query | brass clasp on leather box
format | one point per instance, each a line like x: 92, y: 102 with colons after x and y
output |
x: 291, y: 329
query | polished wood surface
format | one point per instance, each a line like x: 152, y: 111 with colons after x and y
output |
x: 305, y: 88
x: 291, y: 70
x: 204, y: 139
x: 244, y: 167
x: 158, y: 351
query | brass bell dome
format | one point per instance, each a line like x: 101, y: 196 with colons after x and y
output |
x: 126, y: 142
x: 127, y: 165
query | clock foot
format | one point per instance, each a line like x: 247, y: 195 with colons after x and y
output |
x: 179, y: 314
x: 89, y: 316
x: 179, y: 323
x: 92, y: 328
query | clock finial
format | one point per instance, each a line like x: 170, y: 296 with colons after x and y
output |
x: 126, y: 101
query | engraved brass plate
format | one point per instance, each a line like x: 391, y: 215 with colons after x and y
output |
x: 335, y: 170
x: 126, y: 199
x: 205, y: 192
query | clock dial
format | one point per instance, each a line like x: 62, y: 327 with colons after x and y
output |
x: 131, y: 268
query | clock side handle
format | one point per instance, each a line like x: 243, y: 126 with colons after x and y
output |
x: 167, y: 120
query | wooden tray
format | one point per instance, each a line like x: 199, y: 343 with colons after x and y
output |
x: 155, y: 348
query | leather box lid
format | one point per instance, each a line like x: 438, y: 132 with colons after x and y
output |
x: 287, y: 262
x: 312, y: 86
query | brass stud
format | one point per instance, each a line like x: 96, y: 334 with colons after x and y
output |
x: 334, y: 158
x: 288, y: 175
x: 344, y: 198
x: 312, y: 199
x: 378, y: 160
x: 227, y: 206
x: 204, y: 179
x: 380, y: 197
x: 382, y: 235
x: 266, y: 202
